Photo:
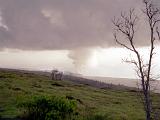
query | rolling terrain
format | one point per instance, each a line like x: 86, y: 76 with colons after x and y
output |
x: 94, y: 98
x: 132, y: 83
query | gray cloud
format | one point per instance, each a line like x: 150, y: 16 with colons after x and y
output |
x: 75, y: 25
x: 59, y: 24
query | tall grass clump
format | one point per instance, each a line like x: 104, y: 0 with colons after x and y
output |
x: 48, y: 108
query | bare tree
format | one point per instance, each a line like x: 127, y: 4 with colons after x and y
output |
x: 126, y: 26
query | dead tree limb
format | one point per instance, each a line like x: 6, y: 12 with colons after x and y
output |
x: 125, y: 26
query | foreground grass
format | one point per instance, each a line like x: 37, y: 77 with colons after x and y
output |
x: 112, y: 104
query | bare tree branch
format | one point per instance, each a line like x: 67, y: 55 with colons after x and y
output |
x: 125, y: 25
x: 158, y: 34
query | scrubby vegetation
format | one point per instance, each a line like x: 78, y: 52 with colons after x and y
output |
x: 81, y: 102
x: 48, y: 108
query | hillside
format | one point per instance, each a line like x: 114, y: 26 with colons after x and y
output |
x: 132, y: 83
x: 17, y: 86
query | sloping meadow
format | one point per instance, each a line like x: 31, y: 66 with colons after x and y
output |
x: 91, y: 103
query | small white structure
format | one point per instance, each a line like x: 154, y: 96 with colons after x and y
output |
x: 56, y: 75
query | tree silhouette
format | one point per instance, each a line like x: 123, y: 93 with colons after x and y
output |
x: 126, y: 26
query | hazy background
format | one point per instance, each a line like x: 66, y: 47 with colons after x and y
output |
x: 71, y: 35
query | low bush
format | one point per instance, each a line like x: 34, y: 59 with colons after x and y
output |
x: 48, y: 108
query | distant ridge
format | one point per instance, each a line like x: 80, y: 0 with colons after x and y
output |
x: 99, y: 82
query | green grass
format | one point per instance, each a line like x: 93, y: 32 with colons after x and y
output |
x: 112, y: 104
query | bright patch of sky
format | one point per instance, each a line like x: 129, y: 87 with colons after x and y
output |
x: 102, y: 62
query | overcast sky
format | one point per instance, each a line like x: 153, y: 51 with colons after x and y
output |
x: 72, y: 35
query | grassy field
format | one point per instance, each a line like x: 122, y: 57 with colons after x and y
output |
x: 16, y: 86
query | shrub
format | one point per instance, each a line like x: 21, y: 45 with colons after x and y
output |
x: 48, y: 108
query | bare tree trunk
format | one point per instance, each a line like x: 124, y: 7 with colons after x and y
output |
x: 148, y: 106
x: 126, y: 27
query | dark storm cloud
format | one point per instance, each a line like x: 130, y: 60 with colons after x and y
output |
x: 59, y: 24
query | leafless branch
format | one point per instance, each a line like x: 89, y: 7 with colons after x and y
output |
x: 125, y: 26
